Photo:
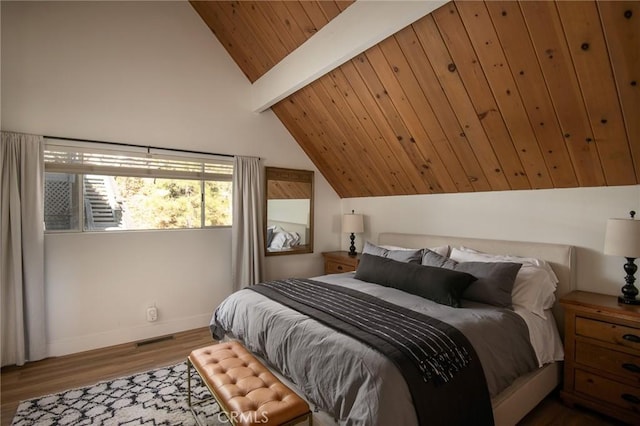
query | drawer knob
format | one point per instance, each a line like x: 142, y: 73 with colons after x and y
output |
x: 631, y: 338
x: 630, y: 398
x: 631, y: 367
x: 339, y: 268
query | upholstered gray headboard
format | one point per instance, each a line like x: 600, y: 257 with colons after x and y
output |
x: 560, y: 257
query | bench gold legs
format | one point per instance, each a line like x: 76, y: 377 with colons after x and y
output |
x: 190, y: 403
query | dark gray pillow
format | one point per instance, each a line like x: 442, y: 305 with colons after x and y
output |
x: 495, y: 279
x: 269, y: 236
x: 494, y: 284
x: 441, y: 285
x: 431, y: 258
x: 412, y: 256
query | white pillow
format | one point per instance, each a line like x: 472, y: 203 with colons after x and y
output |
x: 284, y: 239
x: 541, y: 263
x: 535, y: 285
x: 441, y: 250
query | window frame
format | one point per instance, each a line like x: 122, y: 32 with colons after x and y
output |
x: 82, y: 158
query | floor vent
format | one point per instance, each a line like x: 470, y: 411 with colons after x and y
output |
x: 154, y: 340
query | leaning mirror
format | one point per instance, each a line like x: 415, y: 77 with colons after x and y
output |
x: 288, y: 211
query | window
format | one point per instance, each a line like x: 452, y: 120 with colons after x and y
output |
x: 102, y: 189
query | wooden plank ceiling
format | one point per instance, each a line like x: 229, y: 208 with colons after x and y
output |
x: 477, y: 96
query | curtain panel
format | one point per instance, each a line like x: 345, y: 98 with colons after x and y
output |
x: 247, y: 230
x: 22, y: 248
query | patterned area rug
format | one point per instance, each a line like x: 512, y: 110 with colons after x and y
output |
x: 157, y: 397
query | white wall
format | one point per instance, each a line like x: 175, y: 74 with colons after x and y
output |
x: 149, y: 73
x: 568, y: 216
x: 99, y: 285
x: 294, y: 211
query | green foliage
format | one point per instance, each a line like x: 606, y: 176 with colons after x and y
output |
x: 217, y: 202
x: 150, y: 203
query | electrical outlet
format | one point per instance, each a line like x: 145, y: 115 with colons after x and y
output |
x: 152, y: 313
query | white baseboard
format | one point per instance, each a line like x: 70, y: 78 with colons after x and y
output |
x: 125, y: 335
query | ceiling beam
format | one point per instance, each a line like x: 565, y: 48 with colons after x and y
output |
x: 363, y: 24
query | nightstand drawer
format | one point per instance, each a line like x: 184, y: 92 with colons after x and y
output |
x: 337, y: 262
x: 619, y: 394
x: 608, y: 332
x: 618, y: 363
x: 332, y: 267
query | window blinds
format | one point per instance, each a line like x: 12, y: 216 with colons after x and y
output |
x: 81, y: 158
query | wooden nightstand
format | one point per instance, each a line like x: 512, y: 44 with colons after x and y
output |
x: 336, y: 262
x: 602, y: 355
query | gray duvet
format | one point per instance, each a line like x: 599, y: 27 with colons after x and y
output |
x: 349, y: 380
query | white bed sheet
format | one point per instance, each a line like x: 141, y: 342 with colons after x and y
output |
x: 544, y: 336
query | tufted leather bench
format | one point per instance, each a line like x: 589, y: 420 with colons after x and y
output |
x: 245, y: 389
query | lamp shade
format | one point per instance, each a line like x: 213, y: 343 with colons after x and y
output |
x: 352, y: 223
x: 622, y: 238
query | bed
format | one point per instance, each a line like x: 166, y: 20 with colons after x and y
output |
x: 508, y: 405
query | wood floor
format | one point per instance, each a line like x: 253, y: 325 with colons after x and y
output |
x: 56, y: 374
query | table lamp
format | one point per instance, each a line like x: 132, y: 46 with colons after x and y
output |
x: 354, y: 224
x: 622, y: 238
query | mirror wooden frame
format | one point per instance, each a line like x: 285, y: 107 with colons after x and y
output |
x: 289, y: 184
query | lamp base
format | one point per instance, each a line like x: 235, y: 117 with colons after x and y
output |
x: 352, y: 248
x: 623, y: 301
x: 629, y: 291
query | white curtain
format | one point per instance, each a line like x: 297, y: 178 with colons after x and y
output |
x: 22, y: 248
x: 247, y: 233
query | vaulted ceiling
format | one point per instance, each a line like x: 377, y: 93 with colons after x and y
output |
x: 476, y: 96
